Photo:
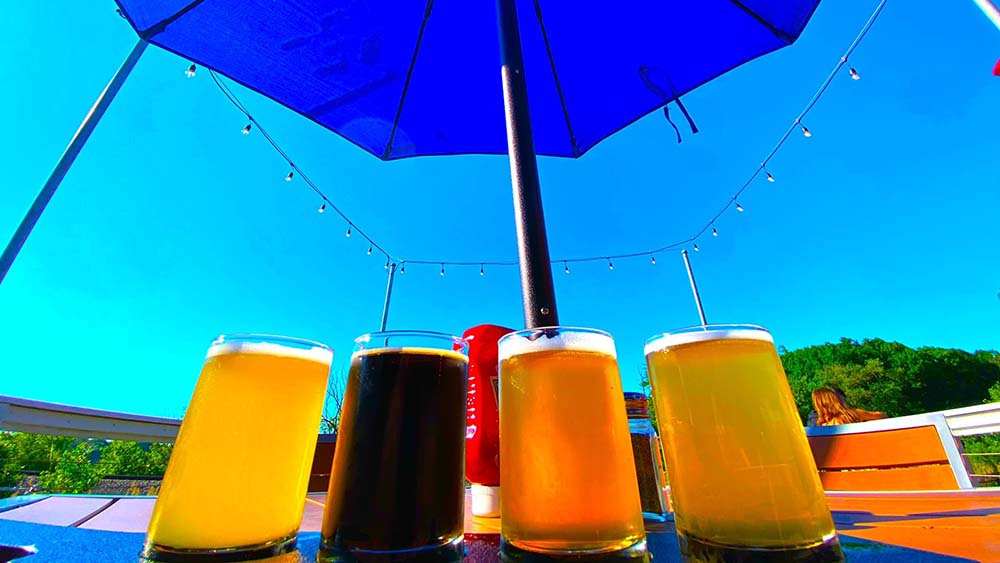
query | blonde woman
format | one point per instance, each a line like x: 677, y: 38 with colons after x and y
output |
x: 832, y: 409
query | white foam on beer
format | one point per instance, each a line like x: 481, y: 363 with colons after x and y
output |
x: 676, y: 339
x: 315, y: 354
x: 565, y: 340
x: 455, y: 354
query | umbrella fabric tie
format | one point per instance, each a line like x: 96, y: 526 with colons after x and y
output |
x: 666, y: 113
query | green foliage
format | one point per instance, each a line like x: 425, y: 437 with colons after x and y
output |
x: 73, y: 473
x: 647, y: 390
x: 891, y: 377
x: 121, y: 457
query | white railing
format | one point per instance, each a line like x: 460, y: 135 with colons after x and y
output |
x: 25, y: 415
x: 973, y: 421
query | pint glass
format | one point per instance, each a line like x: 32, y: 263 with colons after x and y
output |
x: 236, y: 482
x: 742, y: 478
x: 566, y: 465
x: 397, y: 489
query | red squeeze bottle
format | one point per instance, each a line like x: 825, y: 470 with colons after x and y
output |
x: 482, y: 419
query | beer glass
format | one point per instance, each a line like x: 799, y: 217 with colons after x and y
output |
x: 397, y: 489
x: 743, y: 480
x: 566, y: 465
x: 235, y: 485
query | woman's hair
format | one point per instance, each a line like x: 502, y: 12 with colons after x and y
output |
x: 831, y: 408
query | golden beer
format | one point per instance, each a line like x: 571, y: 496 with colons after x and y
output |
x: 741, y: 472
x: 567, y: 471
x: 237, y: 477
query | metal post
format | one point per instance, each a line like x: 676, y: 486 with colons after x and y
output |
x: 990, y: 9
x: 537, y: 292
x: 388, y: 294
x: 67, y: 158
x: 694, y: 287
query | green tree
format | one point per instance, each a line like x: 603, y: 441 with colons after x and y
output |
x: 647, y: 390
x: 73, y: 473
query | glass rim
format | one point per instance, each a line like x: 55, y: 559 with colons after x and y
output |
x: 455, y: 340
x: 272, y: 338
x: 706, y: 333
x: 535, y: 344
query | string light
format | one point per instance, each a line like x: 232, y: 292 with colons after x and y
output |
x: 321, y: 209
x: 652, y: 260
x: 190, y: 71
x: 402, y: 270
x: 369, y: 251
x: 386, y: 263
x: 482, y: 271
x: 797, y: 123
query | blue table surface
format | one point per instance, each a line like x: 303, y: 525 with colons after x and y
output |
x: 57, y: 544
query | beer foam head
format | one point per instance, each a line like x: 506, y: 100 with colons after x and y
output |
x: 705, y: 334
x: 551, y: 339
x: 454, y: 354
x: 319, y: 354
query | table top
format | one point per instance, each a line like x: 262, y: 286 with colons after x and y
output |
x: 875, y: 527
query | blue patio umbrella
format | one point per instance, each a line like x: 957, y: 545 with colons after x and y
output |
x: 406, y: 78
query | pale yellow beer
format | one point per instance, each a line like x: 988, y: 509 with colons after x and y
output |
x: 741, y: 472
x: 567, y: 472
x: 238, y: 473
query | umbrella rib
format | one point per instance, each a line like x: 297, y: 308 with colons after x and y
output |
x: 406, y: 83
x: 160, y: 27
x: 777, y: 32
x: 555, y: 77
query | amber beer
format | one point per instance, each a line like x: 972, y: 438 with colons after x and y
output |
x: 567, y: 471
x: 742, y: 477
x: 236, y: 482
x: 397, y: 489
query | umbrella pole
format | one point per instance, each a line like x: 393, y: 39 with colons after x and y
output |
x: 537, y: 292
x: 67, y: 158
x: 388, y: 294
x: 694, y: 288
x: 989, y: 8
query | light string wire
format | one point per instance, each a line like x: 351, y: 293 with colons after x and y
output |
x: 733, y: 202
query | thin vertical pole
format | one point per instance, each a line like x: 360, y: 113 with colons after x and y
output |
x: 67, y: 158
x: 990, y: 9
x: 388, y: 295
x: 537, y: 291
x: 694, y: 287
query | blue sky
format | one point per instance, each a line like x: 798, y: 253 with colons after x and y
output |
x: 172, y: 227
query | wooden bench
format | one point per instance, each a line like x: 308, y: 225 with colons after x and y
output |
x: 908, y: 453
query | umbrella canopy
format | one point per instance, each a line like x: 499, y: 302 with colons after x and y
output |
x: 403, y: 78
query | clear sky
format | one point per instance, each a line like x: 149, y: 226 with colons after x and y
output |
x: 172, y: 227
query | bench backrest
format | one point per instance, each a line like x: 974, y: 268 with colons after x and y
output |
x: 907, y: 453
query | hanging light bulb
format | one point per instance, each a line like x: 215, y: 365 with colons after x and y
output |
x: 442, y: 269
x: 611, y: 265
x: 715, y: 233
x: 190, y: 71
x: 739, y: 207
x: 566, y: 267
x: 402, y: 270
x: 854, y: 74
x: 482, y: 272
x: 769, y: 177
x: 387, y: 263
x: 696, y: 247
x: 348, y: 235
x: 322, y: 208
x: 652, y: 260
x: 290, y: 176
x: 369, y: 250
x: 246, y: 130
x: 806, y: 131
